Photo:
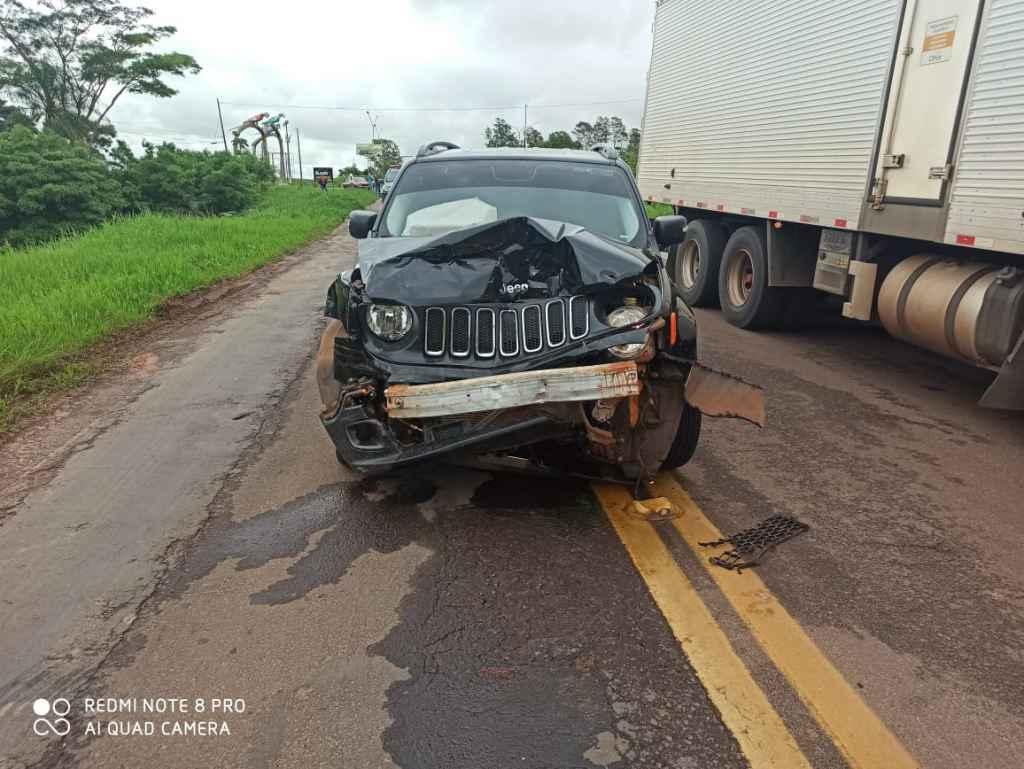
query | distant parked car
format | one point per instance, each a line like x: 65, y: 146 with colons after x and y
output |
x: 389, y: 179
x: 355, y: 181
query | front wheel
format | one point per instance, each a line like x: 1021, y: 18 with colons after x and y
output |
x: 687, y: 436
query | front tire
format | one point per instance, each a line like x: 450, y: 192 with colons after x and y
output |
x: 746, y: 298
x: 695, y: 263
x: 687, y: 436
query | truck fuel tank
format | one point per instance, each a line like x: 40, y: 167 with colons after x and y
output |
x: 971, y: 311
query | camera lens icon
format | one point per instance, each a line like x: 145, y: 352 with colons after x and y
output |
x: 58, y: 726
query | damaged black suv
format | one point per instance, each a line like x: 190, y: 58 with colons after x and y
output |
x: 511, y: 304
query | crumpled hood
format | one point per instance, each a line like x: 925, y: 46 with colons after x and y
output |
x: 472, y: 265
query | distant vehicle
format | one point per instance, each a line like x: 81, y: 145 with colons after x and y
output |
x: 389, y: 179
x: 876, y: 171
x: 355, y: 181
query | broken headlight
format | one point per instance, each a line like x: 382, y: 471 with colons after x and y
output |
x: 389, y: 321
x: 625, y: 316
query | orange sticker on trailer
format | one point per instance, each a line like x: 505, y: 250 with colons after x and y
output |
x: 938, y: 41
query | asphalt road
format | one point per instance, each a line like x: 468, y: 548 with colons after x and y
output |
x: 181, y: 535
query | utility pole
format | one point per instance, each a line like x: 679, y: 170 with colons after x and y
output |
x: 223, y: 135
x: 524, y: 126
x: 298, y: 143
x: 288, y: 150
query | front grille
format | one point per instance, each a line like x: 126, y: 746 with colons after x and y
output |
x: 532, y: 335
x: 555, y: 318
x: 507, y: 331
x: 485, y: 332
x: 579, y: 317
x: 434, y: 337
x: 460, y: 332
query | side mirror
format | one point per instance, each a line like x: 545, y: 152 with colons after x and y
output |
x: 669, y: 230
x: 360, y: 223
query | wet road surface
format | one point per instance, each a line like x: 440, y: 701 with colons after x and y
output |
x: 446, y: 617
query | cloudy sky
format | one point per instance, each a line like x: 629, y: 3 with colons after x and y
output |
x: 398, y: 58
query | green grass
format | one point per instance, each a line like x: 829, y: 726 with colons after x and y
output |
x: 58, y: 299
x: 657, y: 209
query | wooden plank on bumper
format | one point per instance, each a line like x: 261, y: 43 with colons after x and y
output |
x: 559, y: 385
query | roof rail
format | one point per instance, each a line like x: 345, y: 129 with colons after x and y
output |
x: 432, y: 148
x: 606, y: 151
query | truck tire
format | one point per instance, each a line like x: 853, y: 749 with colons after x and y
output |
x: 694, y: 263
x: 746, y: 298
x: 685, y: 443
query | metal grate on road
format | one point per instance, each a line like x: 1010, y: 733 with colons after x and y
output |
x: 750, y: 545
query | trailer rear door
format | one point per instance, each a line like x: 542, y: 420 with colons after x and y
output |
x: 928, y: 83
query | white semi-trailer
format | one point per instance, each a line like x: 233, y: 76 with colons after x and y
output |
x: 868, y: 150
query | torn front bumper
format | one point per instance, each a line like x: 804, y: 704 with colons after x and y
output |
x: 457, y: 415
x: 526, y: 388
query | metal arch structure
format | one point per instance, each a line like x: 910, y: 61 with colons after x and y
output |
x: 267, y: 127
x: 271, y: 126
x: 249, y: 123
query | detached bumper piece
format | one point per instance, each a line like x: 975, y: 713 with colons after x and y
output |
x: 527, y: 388
x: 750, y: 545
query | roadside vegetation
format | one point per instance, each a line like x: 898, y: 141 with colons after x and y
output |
x: 60, y: 298
x: 654, y: 210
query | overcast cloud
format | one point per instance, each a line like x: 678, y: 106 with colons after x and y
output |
x: 395, y: 54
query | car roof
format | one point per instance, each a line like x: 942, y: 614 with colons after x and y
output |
x: 517, y: 153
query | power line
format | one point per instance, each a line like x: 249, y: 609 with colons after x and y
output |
x: 427, y: 109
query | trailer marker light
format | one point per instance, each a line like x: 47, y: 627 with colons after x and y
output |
x: 840, y: 222
x: 721, y: 206
x: 965, y: 240
x: 773, y: 214
x: 673, y: 329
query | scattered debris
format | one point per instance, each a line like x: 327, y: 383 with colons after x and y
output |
x: 654, y: 510
x: 757, y: 541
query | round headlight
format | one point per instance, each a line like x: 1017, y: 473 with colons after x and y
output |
x: 389, y: 321
x: 624, y: 316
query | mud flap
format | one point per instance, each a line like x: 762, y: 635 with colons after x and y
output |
x: 715, y: 394
x: 1007, y: 391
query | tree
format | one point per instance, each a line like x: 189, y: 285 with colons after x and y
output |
x: 388, y: 156
x: 166, y: 178
x: 561, y: 140
x: 49, y: 187
x: 534, y: 138
x: 11, y: 116
x: 617, y: 133
x: 631, y: 155
x: 584, y: 133
x: 502, y: 135
x: 68, y: 62
x: 602, y: 129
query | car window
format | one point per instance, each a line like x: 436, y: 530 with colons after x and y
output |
x: 391, y: 174
x: 437, y: 197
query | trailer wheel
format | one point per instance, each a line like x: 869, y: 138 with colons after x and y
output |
x: 694, y: 263
x: 746, y: 298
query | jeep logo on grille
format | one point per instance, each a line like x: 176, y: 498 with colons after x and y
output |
x: 511, y: 289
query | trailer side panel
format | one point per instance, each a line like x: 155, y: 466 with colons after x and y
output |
x: 766, y: 109
x: 987, y: 201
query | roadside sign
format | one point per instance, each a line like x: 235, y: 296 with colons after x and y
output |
x: 369, y: 150
x: 320, y: 172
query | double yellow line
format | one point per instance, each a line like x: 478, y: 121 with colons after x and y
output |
x: 858, y: 733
